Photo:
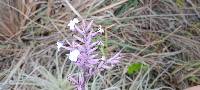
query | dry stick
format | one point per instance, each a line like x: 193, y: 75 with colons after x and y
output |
x: 49, y: 7
x: 110, y: 6
x: 73, y: 9
x: 23, y: 58
x: 106, y: 37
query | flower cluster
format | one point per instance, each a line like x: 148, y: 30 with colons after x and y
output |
x: 83, y: 52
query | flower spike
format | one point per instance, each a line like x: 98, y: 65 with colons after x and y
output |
x: 84, y: 52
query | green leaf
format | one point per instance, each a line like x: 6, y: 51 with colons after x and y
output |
x: 136, y: 67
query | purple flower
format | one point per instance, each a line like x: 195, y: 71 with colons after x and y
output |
x: 83, y: 52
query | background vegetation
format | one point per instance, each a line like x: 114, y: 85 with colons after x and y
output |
x: 161, y: 41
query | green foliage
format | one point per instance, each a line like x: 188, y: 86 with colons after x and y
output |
x: 194, y: 79
x: 180, y: 3
x: 3, y: 46
x: 126, y: 6
x: 104, y: 22
x: 51, y: 82
x: 101, y: 48
x: 136, y: 67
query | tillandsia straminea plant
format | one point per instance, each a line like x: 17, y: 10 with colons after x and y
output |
x: 83, y: 52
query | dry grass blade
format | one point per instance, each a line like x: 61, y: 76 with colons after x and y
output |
x: 73, y: 9
x: 16, y: 67
x: 9, y: 21
x: 108, y: 7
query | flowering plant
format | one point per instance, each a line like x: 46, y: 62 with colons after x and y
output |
x: 83, y: 52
